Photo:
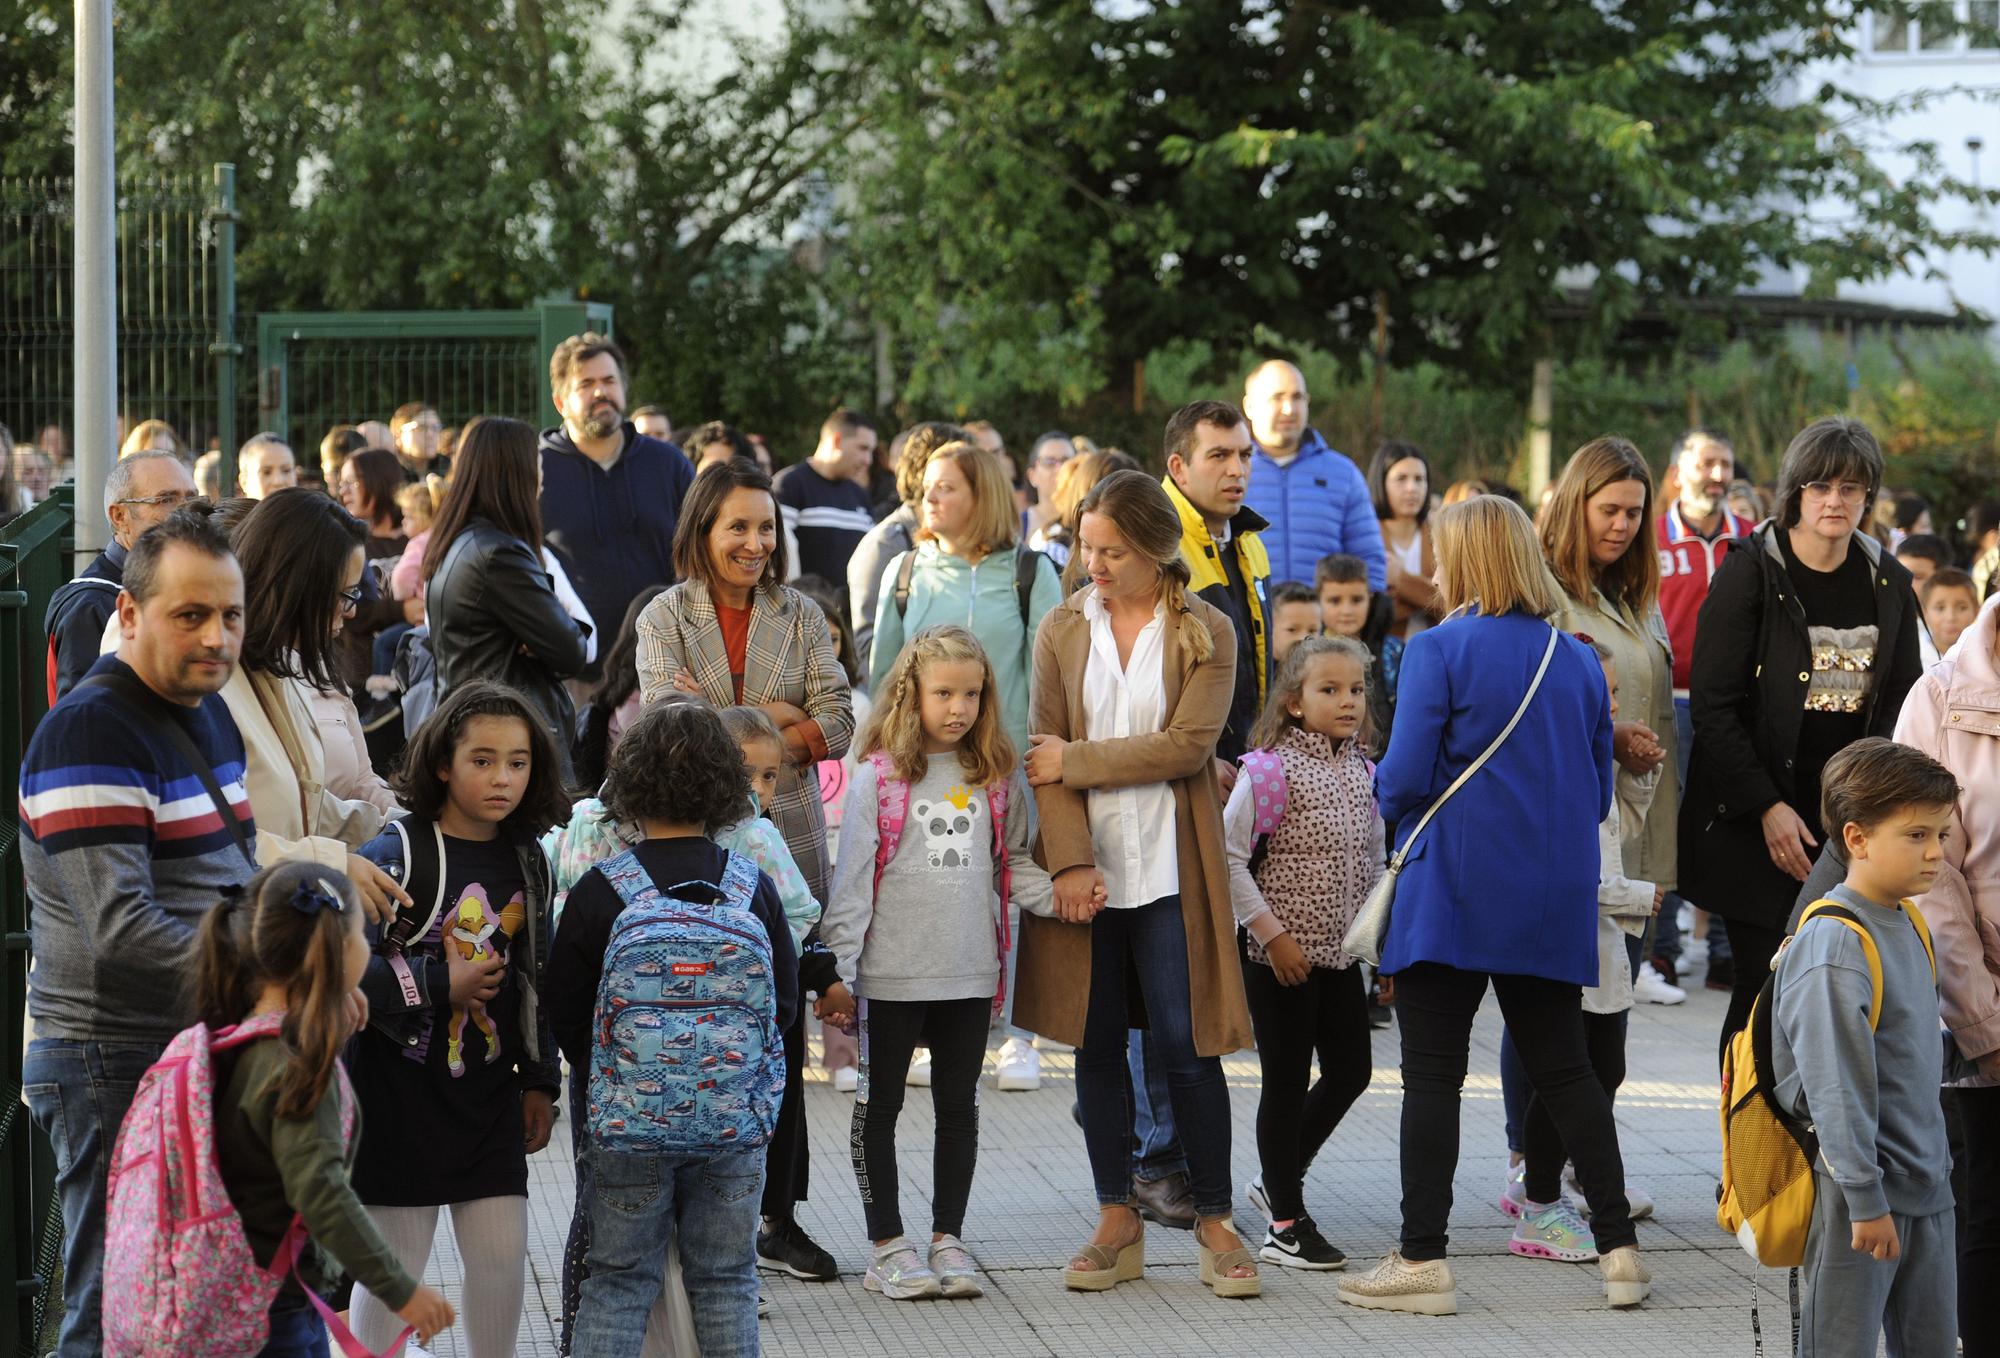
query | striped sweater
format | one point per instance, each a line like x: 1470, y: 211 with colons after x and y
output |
x: 123, y: 853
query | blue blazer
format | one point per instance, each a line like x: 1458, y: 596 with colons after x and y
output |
x: 1504, y: 878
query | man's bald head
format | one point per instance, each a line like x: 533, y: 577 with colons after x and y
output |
x: 1274, y: 399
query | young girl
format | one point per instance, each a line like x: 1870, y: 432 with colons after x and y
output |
x: 1551, y: 1222
x: 918, y: 926
x: 457, y: 1068
x: 1296, y: 888
x: 286, y: 1125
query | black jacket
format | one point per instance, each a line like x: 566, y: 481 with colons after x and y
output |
x: 494, y: 615
x: 1746, y: 695
x: 78, y: 614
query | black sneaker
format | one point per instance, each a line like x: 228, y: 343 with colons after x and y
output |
x: 784, y: 1247
x: 1721, y: 973
x: 1300, y: 1245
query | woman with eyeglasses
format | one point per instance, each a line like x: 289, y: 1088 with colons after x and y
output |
x: 301, y: 559
x: 1806, y: 643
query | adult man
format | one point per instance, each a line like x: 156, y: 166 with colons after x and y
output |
x: 610, y: 495
x: 142, y: 490
x: 653, y: 422
x: 124, y: 848
x: 264, y: 466
x: 821, y: 501
x: 1694, y: 534
x: 416, y: 428
x: 1315, y: 499
x: 896, y: 533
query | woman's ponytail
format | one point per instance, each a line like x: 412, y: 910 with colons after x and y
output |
x: 1195, y: 638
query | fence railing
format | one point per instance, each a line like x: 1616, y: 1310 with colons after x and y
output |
x: 34, y: 562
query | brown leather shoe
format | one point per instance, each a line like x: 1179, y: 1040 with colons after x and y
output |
x: 1169, y: 1201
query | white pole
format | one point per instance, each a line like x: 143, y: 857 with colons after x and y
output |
x: 96, y: 352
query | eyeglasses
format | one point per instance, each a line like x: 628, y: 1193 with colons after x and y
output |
x: 350, y: 599
x: 1853, y: 492
x: 172, y: 499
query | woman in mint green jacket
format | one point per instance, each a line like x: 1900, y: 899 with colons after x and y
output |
x: 968, y: 569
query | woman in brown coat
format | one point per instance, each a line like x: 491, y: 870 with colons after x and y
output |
x: 1133, y: 678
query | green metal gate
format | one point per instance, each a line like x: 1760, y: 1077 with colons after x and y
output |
x: 34, y: 562
x: 319, y: 369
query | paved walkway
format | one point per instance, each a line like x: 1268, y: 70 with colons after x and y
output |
x: 1031, y: 1204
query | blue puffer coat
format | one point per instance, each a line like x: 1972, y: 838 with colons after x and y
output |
x: 1317, y: 504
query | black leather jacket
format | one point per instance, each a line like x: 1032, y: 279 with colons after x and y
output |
x: 494, y: 615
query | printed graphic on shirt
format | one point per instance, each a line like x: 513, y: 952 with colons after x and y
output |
x: 953, y: 837
x: 476, y: 932
x: 1843, y: 668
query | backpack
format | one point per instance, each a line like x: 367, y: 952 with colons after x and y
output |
x: 1026, y: 562
x: 1267, y: 783
x: 179, y: 1277
x: 1768, y: 1152
x: 892, y: 812
x: 687, y: 1057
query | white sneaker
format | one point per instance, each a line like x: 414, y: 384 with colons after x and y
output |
x: 1020, y: 1065
x: 1637, y: 1200
x: 1653, y: 988
x: 920, y: 1069
x: 1514, y: 1194
x: 1685, y: 919
x: 1694, y: 955
x: 1254, y: 1191
x: 847, y: 1079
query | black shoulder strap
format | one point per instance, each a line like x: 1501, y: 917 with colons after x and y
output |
x: 423, y: 878
x: 150, y: 708
x: 1026, y: 562
x: 902, y: 587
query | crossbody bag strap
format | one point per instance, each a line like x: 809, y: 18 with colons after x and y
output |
x: 150, y: 707
x: 1548, y: 653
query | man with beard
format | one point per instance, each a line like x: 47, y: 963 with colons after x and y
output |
x: 610, y: 495
x: 1694, y: 534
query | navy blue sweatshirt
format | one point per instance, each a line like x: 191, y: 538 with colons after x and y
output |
x: 614, y: 529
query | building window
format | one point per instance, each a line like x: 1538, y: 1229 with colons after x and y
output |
x: 1938, y: 28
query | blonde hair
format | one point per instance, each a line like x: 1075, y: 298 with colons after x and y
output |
x: 1276, y: 718
x: 1488, y: 558
x: 896, y: 727
x: 143, y: 433
x: 1634, y: 578
x: 419, y: 505
x: 995, y: 524
x: 1146, y: 519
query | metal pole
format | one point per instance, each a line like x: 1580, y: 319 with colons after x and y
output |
x: 225, y: 349
x: 96, y: 352
x: 1541, y: 415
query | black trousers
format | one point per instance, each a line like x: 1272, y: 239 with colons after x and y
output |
x: 891, y: 1030
x: 1541, y: 1143
x: 1435, y: 1006
x: 1328, y: 1017
x: 1972, y: 1120
x: 1753, y: 946
x: 787, y: 1166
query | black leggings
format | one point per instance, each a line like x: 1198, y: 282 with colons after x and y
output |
x: 1541, y: 1143
x: 955, y: 1031
x: 1753, y: 946
x: 787, y: 1164
x: 1327, y: 1015
x: 1972, y: 1117
x: 1435, y: 1006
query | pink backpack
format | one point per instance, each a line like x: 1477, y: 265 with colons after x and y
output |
x: 179, y: 1278
x: 892, y: 809
x: 1266, y: 771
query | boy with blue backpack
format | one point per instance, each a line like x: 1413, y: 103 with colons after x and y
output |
x: 670, y: 981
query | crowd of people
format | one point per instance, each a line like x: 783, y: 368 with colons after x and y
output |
x: 495, y: 752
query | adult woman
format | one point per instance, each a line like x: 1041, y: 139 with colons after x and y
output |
x: 1399, y: 480
x: 1074, y: 482
x: 301, y: 560
x: 494, y: 612
x: 965, y: 569
x: 265, y: 466
x: 368, y: 484
x: 892, y: 534
x: 1501, y: 886
x: 1133, y: 679
x: 1808, y: 642
x: 341, y: 442
x: 153, y: 436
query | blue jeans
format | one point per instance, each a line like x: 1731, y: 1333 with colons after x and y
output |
x: 708, y: 1202
x: 78, y: 1092
x: 1149, y: 943
x: 382, y: 649
x: 1156, y: 1148
x: 296, y: 1331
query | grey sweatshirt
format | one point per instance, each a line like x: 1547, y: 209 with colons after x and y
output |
x: 930, y: 931
x: 1871, y: 1096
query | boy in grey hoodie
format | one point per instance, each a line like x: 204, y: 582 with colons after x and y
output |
x: 1880, y: 1258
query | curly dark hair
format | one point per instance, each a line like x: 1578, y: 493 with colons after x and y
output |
x: 677, y: 763
x: 418, y: 786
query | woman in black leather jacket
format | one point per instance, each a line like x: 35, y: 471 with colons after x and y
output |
x: 493, y: 611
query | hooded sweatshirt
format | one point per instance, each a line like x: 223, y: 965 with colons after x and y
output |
x: 614, y: 529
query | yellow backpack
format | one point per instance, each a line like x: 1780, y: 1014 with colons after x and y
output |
x: 1766, y: 1199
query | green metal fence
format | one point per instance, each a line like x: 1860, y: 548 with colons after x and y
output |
x: 317, y: 370
x: 34, y: 562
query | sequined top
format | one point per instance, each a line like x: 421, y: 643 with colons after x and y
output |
x: 1843, y: 668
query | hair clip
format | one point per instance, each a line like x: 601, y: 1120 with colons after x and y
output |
x: 310, y: 897
x: 1585, y: 637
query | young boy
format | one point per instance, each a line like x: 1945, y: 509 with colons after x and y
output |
x: 1880, y: 1254
x: 1923, y: 554
x: 1950, y: 604
x: 1341, y: 581
x: 1295, y: 613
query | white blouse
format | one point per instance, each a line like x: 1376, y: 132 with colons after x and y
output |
x: 1132, y: 829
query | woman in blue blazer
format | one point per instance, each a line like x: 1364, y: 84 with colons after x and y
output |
x: 1501, y: 886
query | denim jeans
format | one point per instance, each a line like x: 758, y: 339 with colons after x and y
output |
x: 1149, y: 944
x: 640, y: 1201
x: 78, y: 1092
x: 1156, y: 1146
x: 296, y: 1331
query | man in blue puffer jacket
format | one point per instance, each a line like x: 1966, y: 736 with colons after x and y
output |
x: 1314, y: 497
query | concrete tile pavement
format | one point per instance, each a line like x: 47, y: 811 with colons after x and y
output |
x: 1031, y: 1204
